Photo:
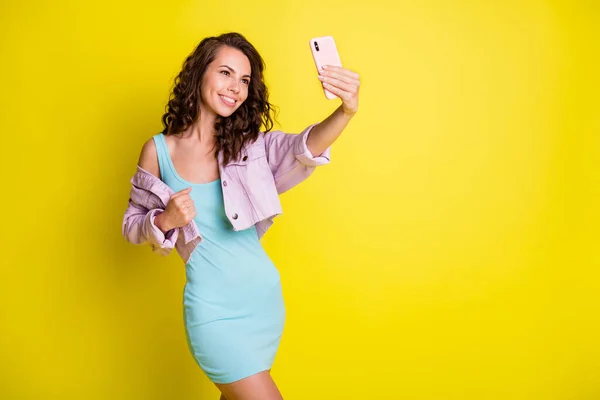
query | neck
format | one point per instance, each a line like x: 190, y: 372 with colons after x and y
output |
x: 203, y: 130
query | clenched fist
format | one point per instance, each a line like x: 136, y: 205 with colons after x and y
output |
x: 179, y: 212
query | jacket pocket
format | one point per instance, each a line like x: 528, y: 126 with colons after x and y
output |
x: 250, y: 154
x: 260, y: 186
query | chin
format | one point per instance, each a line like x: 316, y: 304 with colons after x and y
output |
x: 226, y: 112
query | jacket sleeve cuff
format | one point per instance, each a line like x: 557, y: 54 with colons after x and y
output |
x: 156, y: 237
x: 304, y: 155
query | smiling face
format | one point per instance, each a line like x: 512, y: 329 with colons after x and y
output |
x: 225, y: 82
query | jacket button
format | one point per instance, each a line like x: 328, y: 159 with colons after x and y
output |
x: 245, y: 158
x: 235, y: 216
x: 224, y: 183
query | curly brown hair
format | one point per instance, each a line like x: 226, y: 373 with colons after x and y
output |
x: 240, y: 128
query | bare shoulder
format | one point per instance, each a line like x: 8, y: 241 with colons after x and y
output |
x: 149, y: 158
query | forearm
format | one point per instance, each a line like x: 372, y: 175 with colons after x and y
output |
x: 325, y: 133
x: 161, y: 224
x: 139, y: 226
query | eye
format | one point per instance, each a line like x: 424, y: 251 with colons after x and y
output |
x: 246, y: 81
x: 225, y: 71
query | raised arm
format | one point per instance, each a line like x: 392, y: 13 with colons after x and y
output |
x: 293, y: 158
x: 345, y: 84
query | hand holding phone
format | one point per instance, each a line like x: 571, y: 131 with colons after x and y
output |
x: 325, y: 52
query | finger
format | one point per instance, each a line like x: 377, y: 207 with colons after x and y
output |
x: 190, y: 211
x: 185, y: 201
x: 177, y: 195
x: 187, y: 212
x: 337, y: 91
x: 342, y: 71
x: 337, y: 83
x: 186, y: 190
x: 338, y: 75
x: 343, y: 78
x: 181, y: 192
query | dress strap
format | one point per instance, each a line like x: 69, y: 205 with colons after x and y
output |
x: 163, y: 154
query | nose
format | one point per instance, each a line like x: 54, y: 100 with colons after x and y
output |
x: 235, y: 87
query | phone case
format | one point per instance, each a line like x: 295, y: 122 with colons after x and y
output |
x: 324, y: 52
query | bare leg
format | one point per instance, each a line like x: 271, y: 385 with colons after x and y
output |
x: 259, y: 386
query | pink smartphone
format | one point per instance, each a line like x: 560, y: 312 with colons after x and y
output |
x: 325, y: 52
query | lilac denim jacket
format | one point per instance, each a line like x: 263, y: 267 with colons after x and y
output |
x: 273, y: 164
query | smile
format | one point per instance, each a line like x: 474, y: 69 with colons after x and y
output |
x: 227, y: 100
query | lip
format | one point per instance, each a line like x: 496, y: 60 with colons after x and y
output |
x: 227, y: 104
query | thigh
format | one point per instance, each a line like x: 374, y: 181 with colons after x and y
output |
x: 259, y: 386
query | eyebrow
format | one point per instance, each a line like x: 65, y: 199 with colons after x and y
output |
x: 232, y: 70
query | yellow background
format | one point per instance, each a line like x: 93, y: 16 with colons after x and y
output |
x: 449, y: 251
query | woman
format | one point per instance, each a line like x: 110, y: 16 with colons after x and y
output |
x: 208, y: 185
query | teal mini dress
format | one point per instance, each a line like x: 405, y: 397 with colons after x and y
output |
x: 233, y: 308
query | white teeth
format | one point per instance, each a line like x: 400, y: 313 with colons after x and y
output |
x: 228, y: 100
